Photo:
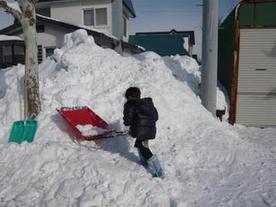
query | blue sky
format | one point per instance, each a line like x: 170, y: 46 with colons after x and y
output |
x: 163, y: 15
x: 177, y: 14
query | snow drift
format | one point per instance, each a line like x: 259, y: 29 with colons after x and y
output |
x: 206, y: 162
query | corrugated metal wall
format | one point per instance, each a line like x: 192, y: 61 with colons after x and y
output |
x: 256, y: 99
x: 256, y: 110
x: 225, y: 51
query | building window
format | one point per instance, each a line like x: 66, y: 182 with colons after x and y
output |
x: 88, y: 16
x: 11, y: 54
x: 45, y: 12
x: 7, y: 54
x: 40, y: 28
x: 50, y: 51
x: 39, y: 54
x: 101, y: 16
x: 95, y: 17
x: 19, y: 54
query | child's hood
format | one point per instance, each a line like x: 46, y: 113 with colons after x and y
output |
x: 146, y: 101
x: 146, y: 105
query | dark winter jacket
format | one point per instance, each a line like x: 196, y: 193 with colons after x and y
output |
x: 141, y: 115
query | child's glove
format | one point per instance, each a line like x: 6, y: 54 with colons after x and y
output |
x: 127, y: 128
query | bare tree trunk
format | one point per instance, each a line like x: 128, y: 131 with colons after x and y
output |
x: 27, y: 18
x: 31, y: 80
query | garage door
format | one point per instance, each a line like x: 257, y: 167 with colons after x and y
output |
x: 256, y: 100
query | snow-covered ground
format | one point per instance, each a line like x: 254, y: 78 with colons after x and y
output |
x: 206, y: 162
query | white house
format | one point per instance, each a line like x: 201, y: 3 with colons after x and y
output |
x: 111, y: 16
x: 106, y: 20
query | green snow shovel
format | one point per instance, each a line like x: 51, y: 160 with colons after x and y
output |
x: 23, y: 131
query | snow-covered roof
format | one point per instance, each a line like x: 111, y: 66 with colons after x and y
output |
x: 102, y: 38
x: 9, y: 38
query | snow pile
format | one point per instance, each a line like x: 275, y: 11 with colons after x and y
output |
x: 207, y: 162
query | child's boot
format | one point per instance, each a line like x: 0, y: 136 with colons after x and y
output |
x: 154, y: 167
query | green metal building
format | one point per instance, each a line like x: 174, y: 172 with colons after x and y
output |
x: 165, y: 43
x: 247, y: 62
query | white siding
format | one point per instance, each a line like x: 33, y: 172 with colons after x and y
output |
x: 256, y: 100
x: 51, y: 37
x: 72, y: 12
x: 117, y: 19
x: 257, y: 65
x: 126, y: 16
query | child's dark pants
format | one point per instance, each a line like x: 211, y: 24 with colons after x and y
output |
x: 143, y: 148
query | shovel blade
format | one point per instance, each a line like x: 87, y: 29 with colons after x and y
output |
x: 17, y: 132
x: 23, y: 131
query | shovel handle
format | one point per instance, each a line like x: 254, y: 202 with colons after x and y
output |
x: 108, y: 135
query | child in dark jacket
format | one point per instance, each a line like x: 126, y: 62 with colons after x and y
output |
x: 141, y: 115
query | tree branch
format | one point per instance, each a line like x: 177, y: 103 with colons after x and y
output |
x: 14, y: 12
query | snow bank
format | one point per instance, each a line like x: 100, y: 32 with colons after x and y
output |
x: 207, y: 162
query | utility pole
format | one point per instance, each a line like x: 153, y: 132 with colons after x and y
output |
x: 209, y: 55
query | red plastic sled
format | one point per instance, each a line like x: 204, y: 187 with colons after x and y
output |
x: 83, y: 116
